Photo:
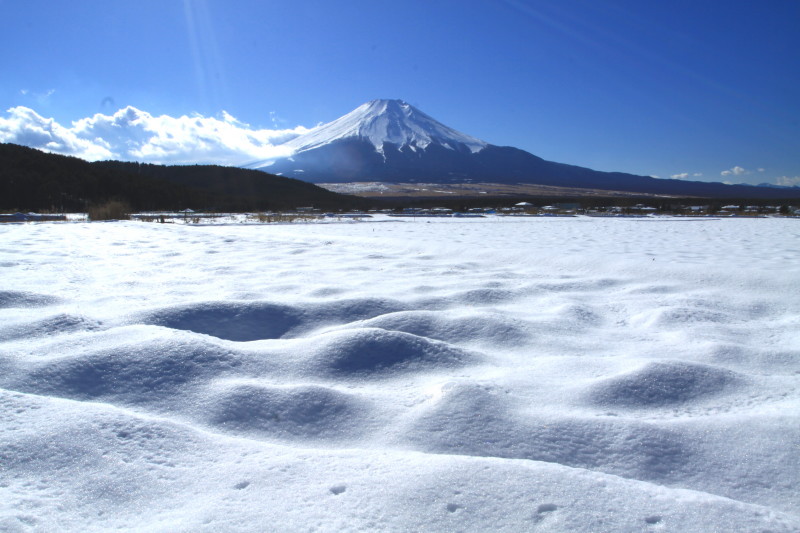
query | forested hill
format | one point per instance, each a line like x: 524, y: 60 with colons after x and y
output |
x: 32, y: 180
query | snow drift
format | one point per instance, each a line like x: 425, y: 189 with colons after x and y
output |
x: 507, y: 374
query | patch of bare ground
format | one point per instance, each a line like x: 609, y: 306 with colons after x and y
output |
x: 381, y: 189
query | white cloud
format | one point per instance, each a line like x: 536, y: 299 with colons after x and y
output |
x: 134, y: 135
x: 24, y: 126
x: 762, y: 169
x: 655, y: 176
x: 788, y: 181
x: 736, y: 171
x: 697, y: 174
x: 681, y: 176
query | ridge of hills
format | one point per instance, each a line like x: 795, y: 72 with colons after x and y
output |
x: 391, y: 141
x: 32, y: 180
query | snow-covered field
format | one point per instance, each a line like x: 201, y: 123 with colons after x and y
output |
x: 498, y: 374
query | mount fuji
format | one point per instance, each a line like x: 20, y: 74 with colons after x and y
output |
x: 392, y: 141
x: 388, y: 122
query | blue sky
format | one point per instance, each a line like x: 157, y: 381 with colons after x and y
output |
x: 697, y: 89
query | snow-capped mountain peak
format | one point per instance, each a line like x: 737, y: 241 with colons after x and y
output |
x: 387, y: 121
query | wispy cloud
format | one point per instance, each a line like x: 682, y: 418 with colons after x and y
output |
x: 134, y: 135
x: 684, y: 175
x: 788, y: 181
x: 41, y: 98
x: 735, y: 171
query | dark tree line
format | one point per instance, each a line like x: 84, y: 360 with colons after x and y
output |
x: 32, y: 180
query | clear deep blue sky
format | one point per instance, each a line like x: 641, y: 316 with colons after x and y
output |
x: 662, y: 88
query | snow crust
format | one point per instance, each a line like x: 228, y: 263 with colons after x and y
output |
x: 386, y: 121
x: 496, y: 374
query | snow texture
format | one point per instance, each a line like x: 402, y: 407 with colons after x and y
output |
x: 494, y: 374
x: 386, y: 121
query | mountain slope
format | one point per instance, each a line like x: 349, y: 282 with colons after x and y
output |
x: 391, y: 141
x: 34, y: 180
x: 387, y: 121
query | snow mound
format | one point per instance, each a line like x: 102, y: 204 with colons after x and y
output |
x: 580, y: 315
x: 252, y: 321
x: 338, y: 312
x: 481, y: 420
x: 664, y: 384
x: 107, y: 469
x: 54, y: 325
x: 151, y: 372
x: 681, y: 317
x: 485, y: 297
x: 26, y: 299
x: 292, y: 413
x: 377, y: 351
x: 483, y: 328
